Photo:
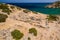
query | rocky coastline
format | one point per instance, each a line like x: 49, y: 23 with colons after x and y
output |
x: 54, y: 5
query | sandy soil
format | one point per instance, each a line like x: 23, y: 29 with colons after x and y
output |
x: 24, y: 21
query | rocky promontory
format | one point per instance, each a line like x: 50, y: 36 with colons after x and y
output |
x: 54, y: 5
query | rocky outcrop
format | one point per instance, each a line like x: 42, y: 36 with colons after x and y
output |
x: 54, y: 5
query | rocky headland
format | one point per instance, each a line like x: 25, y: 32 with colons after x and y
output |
x: 54, y: 5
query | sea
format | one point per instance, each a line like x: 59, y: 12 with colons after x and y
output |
x: 38, y: 7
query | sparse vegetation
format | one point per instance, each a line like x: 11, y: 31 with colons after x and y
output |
x: 29, y: 38
x: 26, y: 11
x: 12, y: 7
x: 17, y: 34
x: 57, y: 2
x: 54, y: 5
x: 6, y: 11
x: 18, y: 8
x: 35, y: 12
x: 5, y: 8
x: 52, y: 18
x: 3, y: 17
x: 34, y: 31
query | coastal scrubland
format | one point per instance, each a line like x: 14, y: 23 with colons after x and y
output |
x: 17, y: 23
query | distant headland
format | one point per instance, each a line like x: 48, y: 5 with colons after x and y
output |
x: 54, y: 5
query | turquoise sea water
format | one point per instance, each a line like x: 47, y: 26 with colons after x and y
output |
x: 38, y: 7
x: 48, y: 10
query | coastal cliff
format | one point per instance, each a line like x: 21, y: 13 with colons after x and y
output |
x: 54, y: 5
x: 22, y: 24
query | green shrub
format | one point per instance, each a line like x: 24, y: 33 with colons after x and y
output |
x: 12, y: 7
x: 17, y: 34
x: 33, y: 30
x: 18, y: 8
x: 3, y: 17
x: 26, y: 11
x: 52, y: 18
x: 6, y: 11
x: 29, y: 38
x: 5, y: 8
x: 35, y: 12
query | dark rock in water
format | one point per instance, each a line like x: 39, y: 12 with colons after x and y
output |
x: 54, y: 5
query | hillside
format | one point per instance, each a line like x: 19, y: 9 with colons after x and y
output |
x: 22, y: 24
x: 54, y: 5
